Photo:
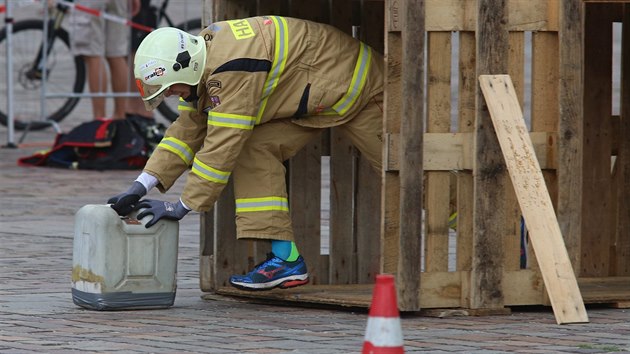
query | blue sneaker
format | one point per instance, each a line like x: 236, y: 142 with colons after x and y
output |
x: 274, y: 272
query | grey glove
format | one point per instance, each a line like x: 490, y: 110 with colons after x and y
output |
x: 124, y: 203
x: 161, y: 210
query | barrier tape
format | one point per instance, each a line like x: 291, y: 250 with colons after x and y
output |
x: 98, y: 13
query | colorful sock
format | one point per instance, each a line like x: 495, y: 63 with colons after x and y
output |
x: 286, y: 250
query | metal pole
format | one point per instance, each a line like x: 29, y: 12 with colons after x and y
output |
x: 8, y: 20
x: 44, y: 63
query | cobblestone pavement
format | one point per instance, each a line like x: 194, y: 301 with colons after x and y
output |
x: 37, y: 313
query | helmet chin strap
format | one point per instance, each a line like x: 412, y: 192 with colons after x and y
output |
x: 193, y: 94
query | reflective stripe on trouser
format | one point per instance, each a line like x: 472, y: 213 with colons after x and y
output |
x: 262, y: 208
x: 259, y: 175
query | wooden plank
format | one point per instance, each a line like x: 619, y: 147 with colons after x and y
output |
x: 490, y: 175
x: 369, y: 180
x: 232, y: 256
x: 598, y: 227
x: 232, y: 9
x: 314, y: 10
x: 368, y: 222
x: 622, y: 241
x: 605, y: 289
x: 343, y: 172
x: 461, y: 15
x: 454, y: 151
x: 513, y: 219
x: 411, y: 182
x: 390, y: 198
x: 438, y: 121
x: 305, y: 185
x: 271, y: 7
x: 465, y: 194
x: 372, y: 24
x: 545, y: 107
x: 523, y: 287
x: 570, y: 141
x: 534, y: 199
x: 206, y: 251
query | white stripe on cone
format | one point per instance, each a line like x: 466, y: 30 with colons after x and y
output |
x: 384, y: 332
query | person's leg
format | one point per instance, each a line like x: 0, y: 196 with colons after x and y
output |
x: 116, y: 51
x: 97, y: 83
x: 119, y: 70
x: 88, y: 40
x: 365, y: 131
x: 262, y: 205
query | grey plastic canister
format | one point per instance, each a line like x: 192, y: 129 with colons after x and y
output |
x: 119, y: 264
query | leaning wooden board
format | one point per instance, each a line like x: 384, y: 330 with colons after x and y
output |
x: 534, y: 199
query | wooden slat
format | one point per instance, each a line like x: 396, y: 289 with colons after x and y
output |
x: 305, y: 185
x: 369, y: 180
x: 390, y: 201
x: 598, y: 227
x: 343, y: 172
x: 570, y: 128
x: 622, y: 241
x: 368, y: 222
x: 511, y: 237
x: 454, y: 151
x: 490, y: 176
x: 605, y: 289
x: 438, y: 121
x: 465, y: 196
x: 271, y: 7
x: 534, y: 199
x: 411, y: 182
x: 461, y: 15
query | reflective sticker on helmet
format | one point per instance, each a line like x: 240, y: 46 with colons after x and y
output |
x: 182, y: 43
x: 148, y: 64
x: 156, y: 73
x: 241, y: 29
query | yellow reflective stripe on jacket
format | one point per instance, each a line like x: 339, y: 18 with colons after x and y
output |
x: 208, y: 173
x: 185, y: 106
x: 177, y: 147
x: 281, y: 53
x: 359, y: 76
x: 262, y: 204
x: 231, y: 120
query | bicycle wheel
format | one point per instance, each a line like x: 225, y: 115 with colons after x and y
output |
x: 65, y: 74
x: 168, y: 108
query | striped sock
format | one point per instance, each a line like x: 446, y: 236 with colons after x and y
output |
x: 286, y: 250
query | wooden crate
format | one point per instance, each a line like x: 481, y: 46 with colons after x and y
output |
x: 478, y: 267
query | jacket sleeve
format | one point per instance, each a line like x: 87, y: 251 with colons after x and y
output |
x: 175, y: 153
x: 233, y: 99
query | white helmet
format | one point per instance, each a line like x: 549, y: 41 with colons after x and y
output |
x: 165, y: 57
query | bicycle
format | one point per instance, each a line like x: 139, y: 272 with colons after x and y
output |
x: 65, y: 73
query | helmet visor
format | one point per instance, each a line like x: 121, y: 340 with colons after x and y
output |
x: 152, y: 95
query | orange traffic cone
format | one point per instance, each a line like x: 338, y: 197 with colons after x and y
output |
x: 383, y: 333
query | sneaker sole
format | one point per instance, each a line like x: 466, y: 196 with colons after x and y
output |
x: 289, y: 282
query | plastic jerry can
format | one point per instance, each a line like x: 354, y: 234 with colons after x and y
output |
x: 119, y: 264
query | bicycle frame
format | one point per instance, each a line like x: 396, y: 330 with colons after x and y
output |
x: 38, y: 64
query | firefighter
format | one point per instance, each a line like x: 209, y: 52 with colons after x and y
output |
x: 252, y: 93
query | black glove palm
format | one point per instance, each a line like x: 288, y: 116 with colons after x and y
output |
x: 124, y: 203
x: 161, y: 210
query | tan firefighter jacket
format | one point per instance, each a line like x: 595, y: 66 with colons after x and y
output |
x: 259, y: 69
